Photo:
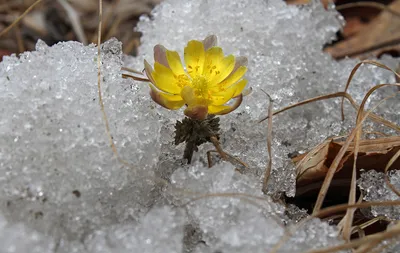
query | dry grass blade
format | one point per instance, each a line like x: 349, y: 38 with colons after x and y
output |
x: 348, y: 218
x: 392, y: 233
x: 389, y: 164
x: 230, y: 158
x: 334, y: 209
x: 140, y: 79
x: 267, y: 172
x: 20, y: 41
x: 107, y: 125
x: 19, y: 18
x: 381, y: 248
x: 354, y: 70
x: 218, y: 147
x: 326, y: 212
x: 367, y: 247
x: 368, y: 223
x: 377, y: 144
x: 344, y: 95
x: 338, y: 158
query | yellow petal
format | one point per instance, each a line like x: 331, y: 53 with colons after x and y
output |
x: 175, y: 63
x: 215, y: 109
x: 230, y: 80
x: 194, y: 57
x: 216, y: 66
x: 169, y: 101
x: 239, y: 86
x: 224, y: 69
x: 213, y: 57
x: 220, y: 98
x: 224, y: 109
x: 188, y: 95
x: 164, y: 79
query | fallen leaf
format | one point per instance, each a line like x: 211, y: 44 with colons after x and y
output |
x: 373, y: 154
x: 382, y: 33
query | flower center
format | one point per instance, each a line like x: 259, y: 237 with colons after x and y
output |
x: 200, y: 86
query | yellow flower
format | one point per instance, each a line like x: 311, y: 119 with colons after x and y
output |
x: 208, y: 82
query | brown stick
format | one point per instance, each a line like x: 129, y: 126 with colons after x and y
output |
x: 217, y: 146
x: 19, y: 18
x: 268, y: 169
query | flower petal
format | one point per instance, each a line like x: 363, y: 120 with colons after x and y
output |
x: 148, y: 70
x: 209, y: 42
x: 164, y: 79
x: 239, y: 86
x: 222, y: 97
x: 194, y: 57
x: 188, y: 95
x: 213, y: 56
x: 225, y: 109
x: 169, y: 101
x: 230, y: 80
x: 240, y: 61
x: 224, y: 69
x: 216, y: 66
x: 160, y: 55
x: 174, y: 62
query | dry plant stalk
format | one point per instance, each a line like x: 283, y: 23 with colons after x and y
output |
x: 327, y: 212
x: 343, y: 95
x: 268, y: 169
x: 19, y: 18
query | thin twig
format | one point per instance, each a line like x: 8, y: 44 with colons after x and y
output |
x: 135, y: 78
x: 267, y: 172
x: 343, y: 95
x: 20, y: 41
x: 393, y: 232
x: 391, y: 161
x: 326, y: 212
x: 110, y: 138
x: 217, y: 146
x: 354, y: 70
x: 230, y: 158
x: 19, y: 18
